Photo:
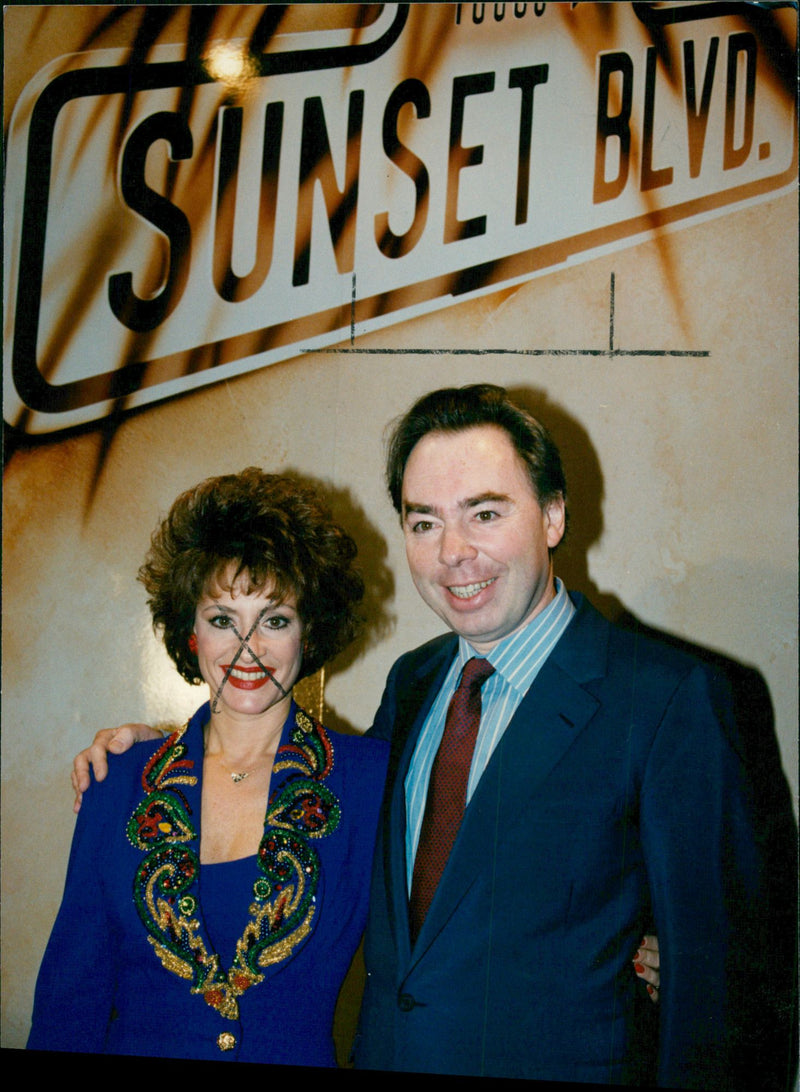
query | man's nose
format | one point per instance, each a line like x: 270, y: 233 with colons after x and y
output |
x: 455, y: 547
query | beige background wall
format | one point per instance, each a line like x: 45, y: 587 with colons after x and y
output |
x: 697, y: 460
x: 682, y: 472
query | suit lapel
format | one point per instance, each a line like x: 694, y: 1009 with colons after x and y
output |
x: 413, y: 705
x: 548, y: 720
x: 557, y: 706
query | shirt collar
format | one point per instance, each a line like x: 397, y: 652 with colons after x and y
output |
x: 518, y: 657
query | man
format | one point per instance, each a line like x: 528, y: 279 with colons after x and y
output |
x: 604, y: 794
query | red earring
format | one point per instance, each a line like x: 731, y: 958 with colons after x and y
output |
x: 193, y: 644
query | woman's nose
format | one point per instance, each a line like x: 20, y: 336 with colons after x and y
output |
x: 253, y: 645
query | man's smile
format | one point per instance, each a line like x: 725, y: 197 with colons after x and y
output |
x: 467, y: 591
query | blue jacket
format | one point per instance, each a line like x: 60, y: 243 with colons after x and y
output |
x: 616, y: 802
x: 130, y: 965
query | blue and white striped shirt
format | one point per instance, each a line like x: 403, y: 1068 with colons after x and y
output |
x: 517, y: 660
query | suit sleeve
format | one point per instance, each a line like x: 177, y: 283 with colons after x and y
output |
x: 383, y: 724
x: 707, y: 878
x: 75, y: 987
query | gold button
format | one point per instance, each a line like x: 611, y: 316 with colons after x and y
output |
x: 226, y: 1041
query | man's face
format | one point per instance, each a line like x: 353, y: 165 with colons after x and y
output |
x: 477, y: 540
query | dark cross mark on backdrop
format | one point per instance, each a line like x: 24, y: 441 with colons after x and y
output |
x: 611, y: 351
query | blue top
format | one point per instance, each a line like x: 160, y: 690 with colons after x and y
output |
x: 242, y: 961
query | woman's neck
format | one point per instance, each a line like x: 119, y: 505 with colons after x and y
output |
x: 245, y: 740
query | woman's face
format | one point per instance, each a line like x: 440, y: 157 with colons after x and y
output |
x: 249, y: 649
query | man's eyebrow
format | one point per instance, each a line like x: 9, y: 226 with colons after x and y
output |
x: 468, y: 502
x: 420, y: 509
x: 486, y: 498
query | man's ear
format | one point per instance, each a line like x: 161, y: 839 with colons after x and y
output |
x: 555, y: 513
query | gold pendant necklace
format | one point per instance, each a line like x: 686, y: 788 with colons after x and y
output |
x: 236, y: 776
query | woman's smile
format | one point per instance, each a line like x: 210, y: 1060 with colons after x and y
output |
x: 248, y: 678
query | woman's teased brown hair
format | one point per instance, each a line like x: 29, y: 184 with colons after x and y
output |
x: 272, y: 530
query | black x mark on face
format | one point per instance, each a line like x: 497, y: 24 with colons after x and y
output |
x: 244, y: 646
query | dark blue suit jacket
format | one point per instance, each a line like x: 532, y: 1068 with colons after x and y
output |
x: 616, y: 802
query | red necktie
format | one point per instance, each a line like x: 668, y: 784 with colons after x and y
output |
x: 447, y: 790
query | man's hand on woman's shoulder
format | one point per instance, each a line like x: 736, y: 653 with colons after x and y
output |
x: 113, y: 740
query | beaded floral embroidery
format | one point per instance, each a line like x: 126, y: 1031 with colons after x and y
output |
x: 301, y: 809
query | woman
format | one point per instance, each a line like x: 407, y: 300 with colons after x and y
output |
x: 218, y: 881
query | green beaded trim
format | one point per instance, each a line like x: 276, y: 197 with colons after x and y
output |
x: 300, y: 810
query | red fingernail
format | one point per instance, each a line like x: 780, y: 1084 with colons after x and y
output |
x: 650, y: 990
x: 638, y: 968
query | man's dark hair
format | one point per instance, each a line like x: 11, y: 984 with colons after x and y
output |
x: 454, y: 409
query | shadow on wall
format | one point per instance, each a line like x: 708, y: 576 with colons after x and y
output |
x: 585, y: 495
x: 773, y: 1009
x: 379, y: 587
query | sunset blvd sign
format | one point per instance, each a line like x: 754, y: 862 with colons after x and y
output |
x: 173, y: 220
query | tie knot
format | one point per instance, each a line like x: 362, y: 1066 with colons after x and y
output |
x: 476, y: 672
